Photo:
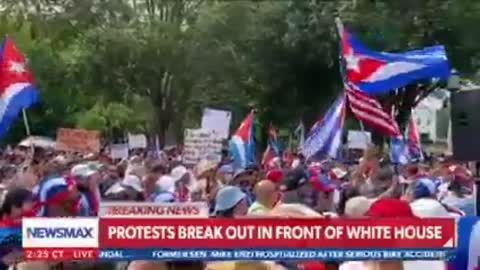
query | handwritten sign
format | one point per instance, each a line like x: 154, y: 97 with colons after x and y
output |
x: 119, y: 151
x: 201, y: 144
x: 78, y: 140
x: 137, y: 141
x: 359, y: 139
x: 217, y: 120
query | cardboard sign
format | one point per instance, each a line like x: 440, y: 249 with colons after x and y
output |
x: 119, y: 151
x: 137, y: 141
x: 218, y: 121
x: 201, y: 144
x: 78, y: 140
x: 359, y: 139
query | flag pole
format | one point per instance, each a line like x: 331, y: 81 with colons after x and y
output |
x: 339, y: 25
x: 25, y: 122
x: 340, y: 28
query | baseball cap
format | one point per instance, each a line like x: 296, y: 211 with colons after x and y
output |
x: 178, y: 172
x: 115, y: 189
x: 226, y: 169
x: 166, y: 184
x: 132, y: 181
x: 164, y: 197
x: 390, y: 208
x: 227, y: 197
x: 275, y: 176
x: 358, y: 206
x: 429, y: 208
x: 82, y: 171
x: 425, y: 187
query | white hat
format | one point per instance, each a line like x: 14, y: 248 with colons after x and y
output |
x: 132, y: 181
x: 60, y: 159
x: 115, y: 188
x: 178, y: 172
x: 358, y: 206
x: 295, y: 163
x: 429, y: 208
x: 166, y: 183
x: 82, y: 171
x: 339, y: 173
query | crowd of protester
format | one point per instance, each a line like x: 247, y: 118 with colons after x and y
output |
x: 57, y: 184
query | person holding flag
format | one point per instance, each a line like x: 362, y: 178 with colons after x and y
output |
x: 17, y: 88
x: 242, y: 143
x: 272, y: 151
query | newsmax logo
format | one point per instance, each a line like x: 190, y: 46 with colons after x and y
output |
x: 66, y: 232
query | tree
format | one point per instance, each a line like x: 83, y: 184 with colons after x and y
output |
x: 153, y: 65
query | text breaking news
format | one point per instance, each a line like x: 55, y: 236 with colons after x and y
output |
x: 237, y: 239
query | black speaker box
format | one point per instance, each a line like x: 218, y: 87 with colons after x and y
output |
x: 465, y: 115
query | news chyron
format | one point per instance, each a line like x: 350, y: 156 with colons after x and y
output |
x: 60, y: 233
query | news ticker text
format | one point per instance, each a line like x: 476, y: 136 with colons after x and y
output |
x: 61, y: 254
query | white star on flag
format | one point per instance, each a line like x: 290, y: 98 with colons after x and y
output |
x: 17, y: 67
x: 352, y: 62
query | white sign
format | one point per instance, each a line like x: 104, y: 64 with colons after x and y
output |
x: 137, y: 141
x: 119, y: 151
x: 201, y: 144
x: 153, y: 210
x: 359, y: 139
x: 217, y: 120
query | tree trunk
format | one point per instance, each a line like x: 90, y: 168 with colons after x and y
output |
x: 163, y: 104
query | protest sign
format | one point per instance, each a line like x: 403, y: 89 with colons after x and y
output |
x: 201, y: 144
x: 78, y: 140
x: 137, y: 141
x: 218, y: 121
x: 359, y: 139
x: 119, y: 151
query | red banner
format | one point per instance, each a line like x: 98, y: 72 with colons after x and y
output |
x: 277, y: 233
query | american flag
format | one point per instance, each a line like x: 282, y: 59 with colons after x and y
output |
x: 369, y: 111
x: 272, y: 150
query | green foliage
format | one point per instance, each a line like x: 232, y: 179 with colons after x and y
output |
x: 152, y: 65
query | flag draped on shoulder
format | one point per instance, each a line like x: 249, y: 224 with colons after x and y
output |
x: 378, y: 72
x: 242, y: 143
x: 326, y: 137
x: 272, y: 150
x: 17, y: 88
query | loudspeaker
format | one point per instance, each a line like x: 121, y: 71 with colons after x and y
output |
x: 465, y: 115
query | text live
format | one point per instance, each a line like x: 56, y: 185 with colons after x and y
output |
x: 59, y: 254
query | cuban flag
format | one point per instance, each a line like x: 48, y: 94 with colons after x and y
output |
x: 326, y: 138
x: 406, y: 150
x: 414, y: 146
x: 398, y: 151
x: 53, y: 191
x: 17, y: 89
x: 242, y: 143
x: 378, y: 72
x: 272, y: 150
